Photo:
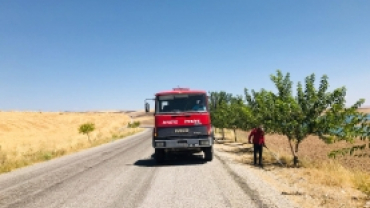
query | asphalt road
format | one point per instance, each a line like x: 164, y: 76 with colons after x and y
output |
x: 122, y: 174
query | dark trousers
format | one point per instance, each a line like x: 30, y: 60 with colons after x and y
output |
x: 258, y: 149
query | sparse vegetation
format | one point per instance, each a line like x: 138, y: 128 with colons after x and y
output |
x: 30, y: 137
x: 316, y: 167
x: 86, y: 128
x: 134, y: 124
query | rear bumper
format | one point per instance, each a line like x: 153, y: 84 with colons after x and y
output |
x: 183, y: 143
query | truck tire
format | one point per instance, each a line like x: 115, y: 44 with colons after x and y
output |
x: 213, y: 133
x: 159, y: 155
x: 208, y: 153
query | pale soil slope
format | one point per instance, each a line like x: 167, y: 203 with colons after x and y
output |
x: 364, y: 110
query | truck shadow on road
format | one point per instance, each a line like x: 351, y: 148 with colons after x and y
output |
x: 172, y: 160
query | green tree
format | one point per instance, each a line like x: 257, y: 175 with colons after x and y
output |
x: 311, y: 112
x: 261, y: 109
x: 87, y: 128
x: 238, y: 115
x: 228, y: 111
x: 219, y: 104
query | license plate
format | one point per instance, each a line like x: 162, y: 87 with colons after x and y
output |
x: 183, y: 130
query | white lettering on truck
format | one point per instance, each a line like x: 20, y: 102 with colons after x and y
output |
x: 170, y: 122
x: 192, y: 121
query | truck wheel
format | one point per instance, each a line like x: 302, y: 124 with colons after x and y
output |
x: 159, y: 155
x: 208, y: 153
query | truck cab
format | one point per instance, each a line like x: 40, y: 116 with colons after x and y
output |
x: 182, y: 123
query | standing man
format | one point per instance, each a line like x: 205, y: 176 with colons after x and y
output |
x: 258, y: 143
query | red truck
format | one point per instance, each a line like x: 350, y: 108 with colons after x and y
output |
x: 182, y: 123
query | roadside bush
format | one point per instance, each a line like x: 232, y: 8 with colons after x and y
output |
x: 135, y: 124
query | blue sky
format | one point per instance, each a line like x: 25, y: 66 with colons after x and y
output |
x: 96, y: 55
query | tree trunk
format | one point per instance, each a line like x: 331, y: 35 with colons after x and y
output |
x: 294, y: 152
x: 235, y: 134
x: 296, y: 146
x: 223, y: 133
x: 296, y: 161
x: 88, y: 138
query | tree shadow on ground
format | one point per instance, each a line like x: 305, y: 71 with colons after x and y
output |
x: 238, y: 150
x: 173, y: 159
x: 245, y: 154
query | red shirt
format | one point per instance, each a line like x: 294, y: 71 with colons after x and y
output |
x: 258, y: 136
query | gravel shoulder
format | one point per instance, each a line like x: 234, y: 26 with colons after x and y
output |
x: 247, y: 176
x: 287, y: 187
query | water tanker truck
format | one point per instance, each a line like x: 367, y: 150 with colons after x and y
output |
x: 182, y: 123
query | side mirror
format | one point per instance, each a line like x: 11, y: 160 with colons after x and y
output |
x: 147, y: 107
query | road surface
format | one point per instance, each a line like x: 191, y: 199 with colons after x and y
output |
x: 123, y: 174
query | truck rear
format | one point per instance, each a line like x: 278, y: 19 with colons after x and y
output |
x: 182, y: 123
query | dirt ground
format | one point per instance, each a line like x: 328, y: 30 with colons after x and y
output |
x: 323, y: 183
x: 307, y: 188
x: 311, y: 149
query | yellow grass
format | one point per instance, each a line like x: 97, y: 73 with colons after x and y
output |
x: 29, y: 137
x: 332, y: 173
x: 316, y: 169
x: 364, y: 110
x: 323, y: 184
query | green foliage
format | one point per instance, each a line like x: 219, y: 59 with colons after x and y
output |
x: 228, y: 111
x: 261, y: 108
x: 344, y: 151
x: 134, y: 124
x: 312, y: 111
x: 234, y: 113
x: 218, y: 104
x: 86, y: 129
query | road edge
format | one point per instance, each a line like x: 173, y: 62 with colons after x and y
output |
x: 255, y: 192
x: 87, y: 151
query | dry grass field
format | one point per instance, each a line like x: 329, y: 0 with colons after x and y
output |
x: 313, y: 149
x: 364, y: 110
x: 29, y: 137
x: 146, y: 119
x: 327, y: 184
